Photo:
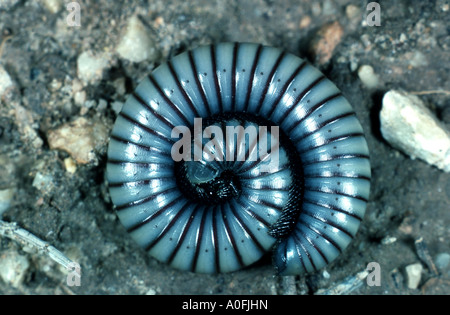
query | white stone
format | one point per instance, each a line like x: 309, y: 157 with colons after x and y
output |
x: 368, y: 76
x: 92, y: 66
x: 6, y: 196
x: 410, y: 126
x: 136, y: 45
x: 13, y: 268
x: 5, y: 81
x: 414, y: 274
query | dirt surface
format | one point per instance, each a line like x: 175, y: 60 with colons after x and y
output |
x: 65, y: 201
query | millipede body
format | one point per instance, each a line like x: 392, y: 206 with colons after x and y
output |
x: 230, y: 151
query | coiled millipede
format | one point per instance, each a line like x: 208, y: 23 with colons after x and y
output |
x: 221, y: 210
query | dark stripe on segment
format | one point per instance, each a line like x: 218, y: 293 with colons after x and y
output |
x: 285, y: 87
x: 183, y: 236
x: 168, y: 226
x: 199, y: 240
x: 161, y: 118
x: 331, y: 207
x: 237, y: 215
x: 251, y: 148
x: 169, y: 102
x: 197, y: 82
x: 333, y: 139
x: 268, y: 81
x: 144, y: 200
x: 215, y: 239
x: 142, y: 146
x: 339, y: 175
x: 144, y: 182
x: 322, y: 125
x: 254, y: 163
x: 212, y: 51
x: 336, y: 192
x: 147, y: 129
x: 231, y: 238
x: 300, y: 97
x: 153, y: 216
x: 311, y: 242
x: 233, y: 77
x: 312, y: 110
x: 181, y: 89
x: 327, y: 222
x: 256, y: 216
x: 318, y: 232
x: 266, y: 187
x: 252, y: 76
x: 299, y: 242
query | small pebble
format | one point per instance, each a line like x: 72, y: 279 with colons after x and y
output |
x: 70, y: 165
x: 80, y: 138
x: 91, y: 66
x: 442, y: 261
x: 388, y: 240
x: 13, y: 268
x: 352, y: 11
x: 6, y: 83
x: 325, y: 41
x: 116, y: 106
x: 80, y: 98
x: 53, y: 6
x: 368, y: 76
x: 43, y: 182
x: 414, y: 274
x: 407, y: 124
x: 136, y: 45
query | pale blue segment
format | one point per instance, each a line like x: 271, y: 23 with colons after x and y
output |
x: 205, y: 72
x: 133, y: 133
x: 268, y: 58
x: 337, y: 129
x: 131, y: 172
x: 119, y: 151
x: 134, y: 192
x: 148, y: 232
x: 150, y: 94
x: 319, y: 93
x: 224, y: 61
x: 308, y: 75
x: 244, y: 63
x: 284, y: 71
x: 188, y: 81
x: 134, y: 215
x: 167, y: 245
x: 355, y: 167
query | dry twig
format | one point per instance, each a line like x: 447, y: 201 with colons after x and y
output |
x: 12, y: 231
